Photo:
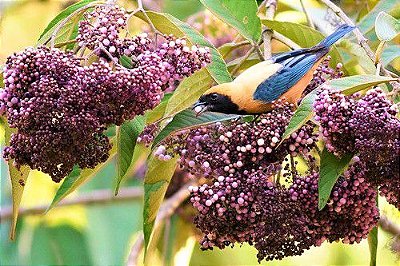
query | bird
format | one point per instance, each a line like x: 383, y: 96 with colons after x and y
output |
x: 285, y: 75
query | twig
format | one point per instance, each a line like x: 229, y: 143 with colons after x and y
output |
x: 270, y: 8
x: 288, y: 42
x: 388, y: 226
x: 166, y: 210
x: 308, y: 17
x: 90, y: 198
x: 244, y: 58
x: 359, y: 35
x: 135, y: 251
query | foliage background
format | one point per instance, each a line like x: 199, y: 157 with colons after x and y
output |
x: 103, y: 234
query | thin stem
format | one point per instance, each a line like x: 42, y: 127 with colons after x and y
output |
x: 359, y: 35
x: 244, y: 58
x: 308, y: 17
x: 288, y: 42
x: 388, y: 226
x: 89, y: 198
x: 270, y: 8
x: 166, y: 210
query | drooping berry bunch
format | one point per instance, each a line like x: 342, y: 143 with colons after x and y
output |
x: 99, y: 31
x: 366, y: 126
x: 46, y: 101
x: 220, y: 149
x: 323, y: 73
x: 61, y: 107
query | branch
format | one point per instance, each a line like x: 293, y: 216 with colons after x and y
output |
x: 270, y: 8
x: 288, y: 42
x: 308, y: 17
x: 359, y: 35
x: 388, y: 226
x: 89, y: 198
x: 166, y: 210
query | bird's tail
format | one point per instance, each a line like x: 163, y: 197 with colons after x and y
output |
x: 334, y: 37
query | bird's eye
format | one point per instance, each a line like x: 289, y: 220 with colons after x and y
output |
x: 214, y: 96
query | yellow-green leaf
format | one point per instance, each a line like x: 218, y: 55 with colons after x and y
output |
x: 127, y: 135
x: 386, y: 27
x: 75, y: 9
x: 241, y: 15
x: 158, y: 176
x: 188, y: 92
x: 330, y: 170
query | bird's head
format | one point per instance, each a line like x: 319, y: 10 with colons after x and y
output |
x: 216, y: 99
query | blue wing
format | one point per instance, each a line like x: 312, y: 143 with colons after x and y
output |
x: 295, y: 65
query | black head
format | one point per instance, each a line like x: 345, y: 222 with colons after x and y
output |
x: 216, y: 102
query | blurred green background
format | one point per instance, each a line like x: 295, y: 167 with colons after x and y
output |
x: 103, y: 234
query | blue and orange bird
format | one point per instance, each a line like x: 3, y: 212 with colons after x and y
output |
x: 285, y: 75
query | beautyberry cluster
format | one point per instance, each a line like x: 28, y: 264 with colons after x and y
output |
x: 368, y: 127
x: 220, y: 149
x: 61, y: 107
x: 99, y: 31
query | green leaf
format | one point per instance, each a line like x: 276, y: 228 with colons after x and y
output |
x: 241, y: 15
x: 168, y: 24
x: 331, y: 168
x: 353, y: 84
x: 18, y: 181
x: 366, y: 24
x: 158, y: 112
x: 188, y: 92
x: 188, y: 119
x: 76, y: 178
x: 158, y: 176
x: 303, y: 113
x: 357, y: 59
x: 302, y: 35
x: 126, y: 62
x: 390, y: 53
x: 77, y: 7
x: 127, y: 135
x: 386, y: 27
x: 373, y: 245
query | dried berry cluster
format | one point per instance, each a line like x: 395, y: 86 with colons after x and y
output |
x: 368, y: 127
x: 61, y: 107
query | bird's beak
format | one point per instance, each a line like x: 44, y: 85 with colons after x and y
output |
x: 199, y: 107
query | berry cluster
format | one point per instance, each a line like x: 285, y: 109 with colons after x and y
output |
x: 323, y: 73
x: 366, y: 126
x: 240, y: 201
x: 219, y: 149
x: 100, y: 29
x: 61, y: 107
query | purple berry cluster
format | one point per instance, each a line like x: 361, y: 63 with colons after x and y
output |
x: 47, y: 100
x: 221, y: 149
x: 323, y: 73
x: 99, y: 31
x: 61, y: 107
x: 368, y: 127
